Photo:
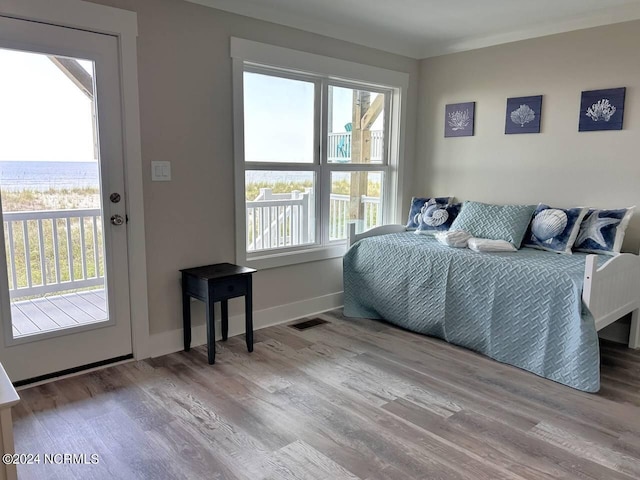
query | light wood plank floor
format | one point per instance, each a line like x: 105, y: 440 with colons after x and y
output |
x: 350, y: 399
x: 57, y: 311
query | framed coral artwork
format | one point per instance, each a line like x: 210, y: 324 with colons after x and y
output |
x: 523, y: 115
x: 602, y: 110
x: 459, y: 119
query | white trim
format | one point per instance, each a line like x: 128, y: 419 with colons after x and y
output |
x: 124, y: 25
x: 262, y: 53
x: 274, y: 259
x: 137, y: 246
x: 173, y: 341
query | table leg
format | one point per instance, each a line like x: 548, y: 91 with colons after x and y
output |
x: 225, y: 319
x: 211, y: 328
x: 186, y: 318
x: 248, y: 313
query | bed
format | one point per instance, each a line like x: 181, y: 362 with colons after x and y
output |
x: 536, y: 310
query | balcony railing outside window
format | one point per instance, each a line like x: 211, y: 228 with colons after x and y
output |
x: 53, y: 251
x: 285, y: 219
x: 339, y: 146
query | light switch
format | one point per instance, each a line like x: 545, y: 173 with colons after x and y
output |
x: 160, y: 171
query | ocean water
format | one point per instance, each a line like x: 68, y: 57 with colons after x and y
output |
x: 48, y: 175
x: 60, y: 175
x: 255, y: 176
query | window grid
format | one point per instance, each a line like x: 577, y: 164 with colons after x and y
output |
x: 322, y: 168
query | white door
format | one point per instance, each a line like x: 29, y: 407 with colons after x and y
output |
x: 64, y: 285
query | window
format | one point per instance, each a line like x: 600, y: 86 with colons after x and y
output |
x: 314, y: 153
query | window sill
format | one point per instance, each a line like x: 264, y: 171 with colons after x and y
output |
x: 265, y: 260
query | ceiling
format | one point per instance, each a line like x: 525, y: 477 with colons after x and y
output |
x: 426, y: 28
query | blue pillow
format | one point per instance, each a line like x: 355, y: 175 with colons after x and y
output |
x: 416, y: 206
x: 435, y: 217
x: 554, y: 229
x: 495, y: 222
x: 602, y: 231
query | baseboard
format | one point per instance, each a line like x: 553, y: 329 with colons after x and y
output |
x: 172, y: 341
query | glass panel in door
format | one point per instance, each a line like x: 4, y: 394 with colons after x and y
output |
x: 50, y: 192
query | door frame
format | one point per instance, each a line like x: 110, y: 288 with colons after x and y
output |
x: 122, y: 24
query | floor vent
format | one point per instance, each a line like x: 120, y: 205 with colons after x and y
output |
x: 314, y: 322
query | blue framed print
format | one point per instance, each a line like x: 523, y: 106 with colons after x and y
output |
x: 602, y: 110
x: 459, y: 119
x: 523, y: 115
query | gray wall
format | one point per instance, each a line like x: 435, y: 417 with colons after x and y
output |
x: 186, y: 118
x: 559, y: 166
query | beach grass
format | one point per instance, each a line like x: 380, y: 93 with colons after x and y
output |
x: 41, y: 265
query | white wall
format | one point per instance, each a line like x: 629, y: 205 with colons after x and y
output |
x: 186, y: 118
x: 559, y: 166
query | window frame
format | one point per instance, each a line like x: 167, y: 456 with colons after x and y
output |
x: 322, y: 72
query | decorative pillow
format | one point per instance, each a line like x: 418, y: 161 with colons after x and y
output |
x: 602, y: 231
x: 416, y: 206
x: 486, y: 245
x: 453, y: 238
x: 435, y: 217
x: 554, y: 229
x: 495, y: 222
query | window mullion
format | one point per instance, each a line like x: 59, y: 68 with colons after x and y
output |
x: 325, y: 181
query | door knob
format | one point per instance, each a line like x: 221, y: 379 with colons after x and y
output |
x: 117, y: 220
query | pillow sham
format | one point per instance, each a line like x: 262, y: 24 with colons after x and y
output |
x: 554, y: 229
x: 435, y: 217
x: 416, y: 206
x: 453, y: 238
x: 487, y: 245
x: 495, y: 222
x: 602, y: 231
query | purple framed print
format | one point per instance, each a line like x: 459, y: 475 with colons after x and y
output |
x: 523, y: 115
x: 602, y: 110
x: 458, y: 119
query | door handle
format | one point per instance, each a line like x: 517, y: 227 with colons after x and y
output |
x: 117, y: 220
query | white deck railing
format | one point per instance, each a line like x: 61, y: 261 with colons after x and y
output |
x: 339, y: 146
x: 372, y: 213
x: 53, y: 250
x: 276, y: 220
x: 338, y: 216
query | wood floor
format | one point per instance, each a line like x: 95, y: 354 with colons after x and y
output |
x: 350, y: 399
x: 57, y: 311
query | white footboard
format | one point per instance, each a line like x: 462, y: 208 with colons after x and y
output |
x: 613, y: 290
x: 353, y: 237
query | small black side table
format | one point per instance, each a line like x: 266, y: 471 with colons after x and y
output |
x: 216, y: 283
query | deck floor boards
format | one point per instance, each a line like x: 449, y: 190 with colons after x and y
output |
x: 58, y: 311
x: 350, y: 399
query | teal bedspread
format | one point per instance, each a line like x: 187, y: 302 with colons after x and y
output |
x: 522, y: 308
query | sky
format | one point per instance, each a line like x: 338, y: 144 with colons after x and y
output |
x: 279, y: 127
x: 43, y: 115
